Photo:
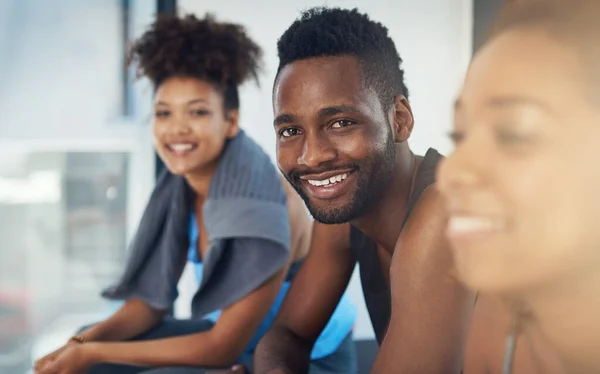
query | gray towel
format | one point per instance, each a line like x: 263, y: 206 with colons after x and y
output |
x: 245, y: 216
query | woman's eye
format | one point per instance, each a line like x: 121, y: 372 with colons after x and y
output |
x: 507, y: 136
x: 456, y: 136
x: 200, y: 113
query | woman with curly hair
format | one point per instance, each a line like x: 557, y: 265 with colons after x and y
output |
x: 221, y: 206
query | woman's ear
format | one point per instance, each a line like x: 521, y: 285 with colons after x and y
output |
x: 232, y: 120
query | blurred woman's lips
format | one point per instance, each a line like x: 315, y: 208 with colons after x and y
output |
x: 180, y: 149
x: 472, y: 227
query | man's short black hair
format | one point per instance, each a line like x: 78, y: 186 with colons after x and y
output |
x: 325, y: 32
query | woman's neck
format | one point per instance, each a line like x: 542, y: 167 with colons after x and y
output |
x: 568, y: 316
x: 199, y: 180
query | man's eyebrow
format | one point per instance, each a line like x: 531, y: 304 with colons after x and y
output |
x: 338, y: 109
x: 283, y: 119
x: 287, y: 118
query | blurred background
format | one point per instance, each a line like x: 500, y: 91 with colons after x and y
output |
x: 76, y: 158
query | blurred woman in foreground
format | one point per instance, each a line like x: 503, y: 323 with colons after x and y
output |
x: 523, y: 191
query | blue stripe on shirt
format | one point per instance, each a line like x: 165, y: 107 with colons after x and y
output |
x: 339, y: 326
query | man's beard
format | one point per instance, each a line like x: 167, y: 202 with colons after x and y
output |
x: 373, y: 176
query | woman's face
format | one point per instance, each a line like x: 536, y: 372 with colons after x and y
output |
x: 523, y: 184
x: 190, y: 125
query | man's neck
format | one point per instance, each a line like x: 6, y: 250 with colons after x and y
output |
x: 383, y: 222
x: 568, y: 316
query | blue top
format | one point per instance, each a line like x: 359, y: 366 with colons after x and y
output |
x: 339, y: 326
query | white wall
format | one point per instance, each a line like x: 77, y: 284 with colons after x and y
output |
x: 60, y: 84
x: 432, y: 36
x: 60, y: 65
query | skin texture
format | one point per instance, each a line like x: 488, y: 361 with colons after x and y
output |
x: 526, y: 132
x: 326, y: 118
x: 187, y: 110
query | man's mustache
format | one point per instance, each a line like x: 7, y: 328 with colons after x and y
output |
x: 295, y: 175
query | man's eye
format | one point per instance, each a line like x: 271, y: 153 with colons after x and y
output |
x: 289, y: 132
x: 342, y: 123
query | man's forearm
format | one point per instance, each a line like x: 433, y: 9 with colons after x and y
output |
x: 281, y: 351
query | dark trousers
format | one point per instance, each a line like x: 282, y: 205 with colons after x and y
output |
x: 342, y: 361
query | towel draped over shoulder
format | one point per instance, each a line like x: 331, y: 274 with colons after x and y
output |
x: 246, y: 218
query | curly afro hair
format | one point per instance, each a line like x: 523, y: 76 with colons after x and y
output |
x: 217, y: 52
x: 324, y: 32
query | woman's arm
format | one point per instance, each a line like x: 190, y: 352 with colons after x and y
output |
x: 220, y: 346
x: 132, y: 319
x: 236, y: 326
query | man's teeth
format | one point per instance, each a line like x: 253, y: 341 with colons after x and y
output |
x: 329, y: 181
x: 463, y: 225
x: 181, y: 147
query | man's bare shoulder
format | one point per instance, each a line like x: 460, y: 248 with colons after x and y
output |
x: 427, y: 304
x: 430, y: 202
x: 428, y: 216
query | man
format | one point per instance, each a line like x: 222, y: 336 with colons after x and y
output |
x: 342, y: 119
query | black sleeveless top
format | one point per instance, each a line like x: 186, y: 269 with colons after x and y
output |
x: 375, y: 288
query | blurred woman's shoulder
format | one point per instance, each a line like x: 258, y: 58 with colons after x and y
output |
x: 485, y: 351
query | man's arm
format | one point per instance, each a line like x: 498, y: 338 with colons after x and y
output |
x: 309, y: 303
x: 430, y: 310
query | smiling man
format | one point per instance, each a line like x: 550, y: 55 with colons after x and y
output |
x: 342, y: 119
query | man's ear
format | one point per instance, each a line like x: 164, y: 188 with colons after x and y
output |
x: 232, y: 119
x: 401, y: 119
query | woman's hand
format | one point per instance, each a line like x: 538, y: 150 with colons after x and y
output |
x: 51, y: 356
x: 70, y: 359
